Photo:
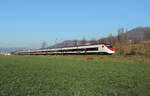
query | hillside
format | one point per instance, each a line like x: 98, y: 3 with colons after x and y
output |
x: 138, y: 33
x: 67, y: 43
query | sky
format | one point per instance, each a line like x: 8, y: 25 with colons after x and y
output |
x: 28, y: 23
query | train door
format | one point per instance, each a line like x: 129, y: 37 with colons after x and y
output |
x: 85, y: 51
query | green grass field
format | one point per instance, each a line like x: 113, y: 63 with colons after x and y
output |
x: 74, y: 76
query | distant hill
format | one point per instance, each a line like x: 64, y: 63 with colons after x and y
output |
x: 67, y: 43
x: 138, y: 33
x: 135, y: 34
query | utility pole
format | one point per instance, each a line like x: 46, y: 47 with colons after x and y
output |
x: 55, y: 45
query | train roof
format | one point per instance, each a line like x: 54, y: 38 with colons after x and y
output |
x: 77, y: 46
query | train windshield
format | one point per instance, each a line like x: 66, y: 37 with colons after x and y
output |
x: 108, y: 45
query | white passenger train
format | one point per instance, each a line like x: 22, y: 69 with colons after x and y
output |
x: 102, y: 48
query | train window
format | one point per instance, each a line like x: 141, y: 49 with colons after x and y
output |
x: 76, y: 49
x: 72, y: 49
x: 92, y: 49
x: 81, y: 49
x: 109, y: 45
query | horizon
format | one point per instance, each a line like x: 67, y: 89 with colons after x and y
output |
x: 28, y: 23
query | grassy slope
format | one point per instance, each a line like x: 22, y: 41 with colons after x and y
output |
x: 61, y: 76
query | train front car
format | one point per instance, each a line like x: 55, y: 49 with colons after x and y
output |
x: 107, y: 49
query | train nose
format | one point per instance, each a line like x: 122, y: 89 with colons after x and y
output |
x: 112, y: 49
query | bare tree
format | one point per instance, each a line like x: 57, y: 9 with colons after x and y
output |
x: 121, y: 35
x: 93, y: 41
x: 110, y: 38
x: 65, y: 44
x: 75, y: 43
x: 102, y: 40
x: 147, y: 35
x: 126, y: 35
x: 44, y: 45
x: 83, y: 41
